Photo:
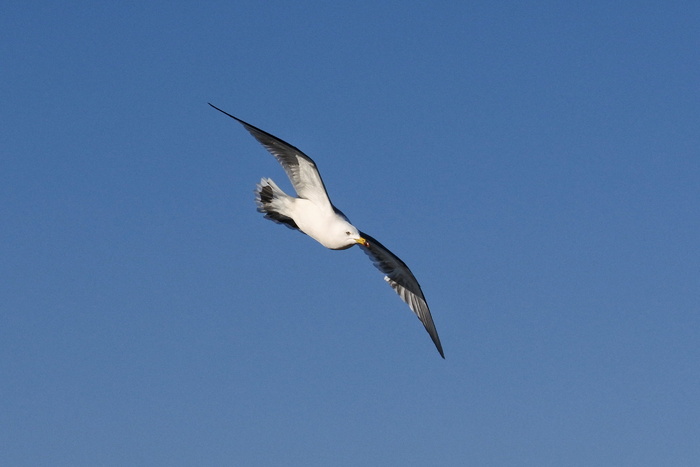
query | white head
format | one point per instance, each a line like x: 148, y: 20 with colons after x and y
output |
x: 349, y: 235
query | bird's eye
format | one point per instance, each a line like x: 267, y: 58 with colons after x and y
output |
x: 347, y: 233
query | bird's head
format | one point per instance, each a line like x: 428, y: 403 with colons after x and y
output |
x: 352, y: 237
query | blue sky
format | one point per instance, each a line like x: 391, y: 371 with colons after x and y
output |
x: 536, y: 165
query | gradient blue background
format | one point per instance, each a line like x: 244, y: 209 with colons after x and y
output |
x: 537, y: 166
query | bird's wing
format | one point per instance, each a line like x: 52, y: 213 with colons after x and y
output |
x: 301, y: 170
x: 402, y: 280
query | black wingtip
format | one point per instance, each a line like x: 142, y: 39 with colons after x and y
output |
x: 225, y: 113
x: 432, y: 332
x: 439, y: 348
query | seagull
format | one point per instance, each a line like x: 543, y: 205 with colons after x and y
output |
x: 312, y: 213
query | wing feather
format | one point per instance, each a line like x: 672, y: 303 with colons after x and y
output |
x: 404, y: 283
x: 300, y: 168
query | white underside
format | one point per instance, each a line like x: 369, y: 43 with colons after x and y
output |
x: 323, y: 225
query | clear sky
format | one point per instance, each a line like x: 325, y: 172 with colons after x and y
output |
x: 536, y: 164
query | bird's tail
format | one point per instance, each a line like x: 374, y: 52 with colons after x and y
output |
x: 272, y: 202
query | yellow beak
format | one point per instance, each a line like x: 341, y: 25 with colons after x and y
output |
x: 362, y: 242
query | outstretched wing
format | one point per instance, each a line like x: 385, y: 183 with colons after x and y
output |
x: 402, y: 280
x: 301, y: 170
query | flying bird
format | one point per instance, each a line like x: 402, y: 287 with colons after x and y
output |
x: 312, y: 212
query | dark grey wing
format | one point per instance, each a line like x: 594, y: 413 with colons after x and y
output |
x: 300, y: 169
x: 402, y: 280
